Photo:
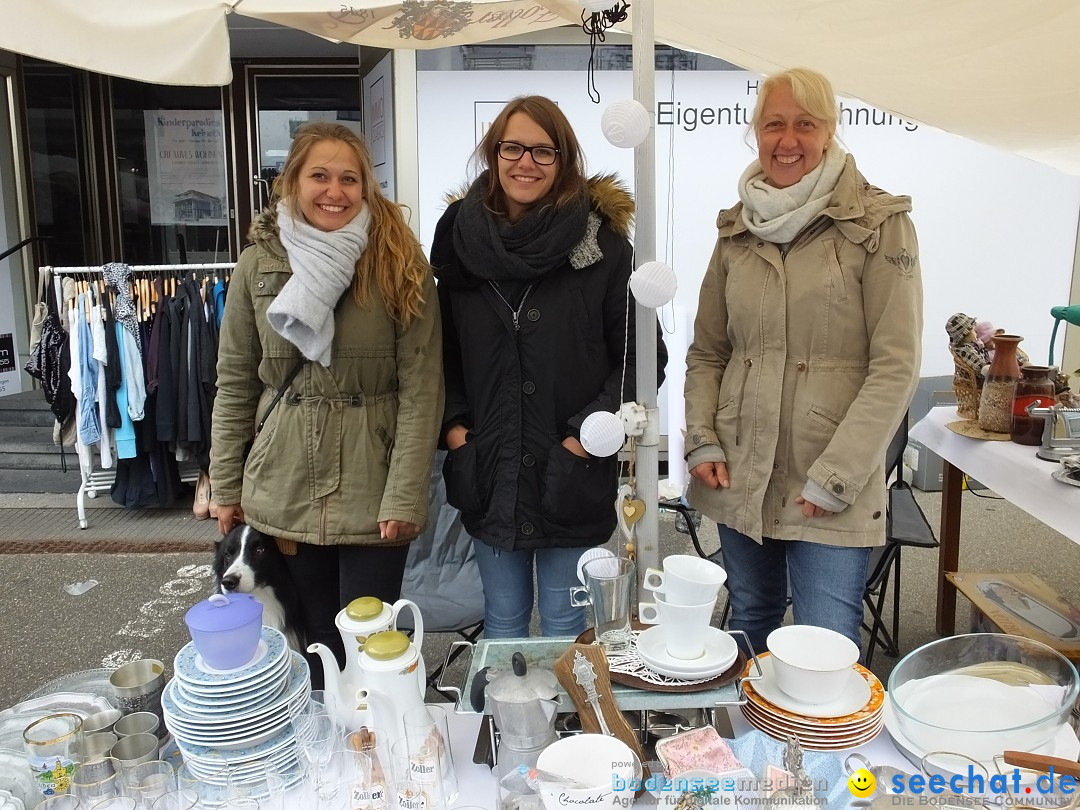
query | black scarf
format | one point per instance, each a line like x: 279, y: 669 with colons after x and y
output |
x: 491, y: 247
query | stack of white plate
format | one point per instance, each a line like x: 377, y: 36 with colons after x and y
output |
x: 720, y: 653
x: 239, y: 716
x: 852, y: 719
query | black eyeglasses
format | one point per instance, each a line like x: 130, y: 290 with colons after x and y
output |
x: 541, y: 155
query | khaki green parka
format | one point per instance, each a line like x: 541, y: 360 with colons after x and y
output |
x: 348, y: 445
x: 803, y: 363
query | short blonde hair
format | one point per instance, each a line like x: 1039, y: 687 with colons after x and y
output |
x: 811, y: 91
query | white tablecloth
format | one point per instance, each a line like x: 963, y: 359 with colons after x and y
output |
x: 1011, y: 470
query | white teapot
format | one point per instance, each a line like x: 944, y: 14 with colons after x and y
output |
x: 357, y: 621
x: 394, y: 681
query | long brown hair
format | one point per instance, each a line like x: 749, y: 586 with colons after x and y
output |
x: 393, y: 256
x: 570, y: 179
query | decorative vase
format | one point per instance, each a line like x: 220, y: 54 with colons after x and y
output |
x: 999, y: 387
x: 1034, y: 388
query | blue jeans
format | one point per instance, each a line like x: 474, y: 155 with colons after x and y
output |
x: 508, y: 590
x: 827, y: 585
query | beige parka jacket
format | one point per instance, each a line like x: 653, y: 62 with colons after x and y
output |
x: 349, y: 445
x: 803, y: 362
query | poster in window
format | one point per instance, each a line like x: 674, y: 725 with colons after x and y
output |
x: 185, y: 155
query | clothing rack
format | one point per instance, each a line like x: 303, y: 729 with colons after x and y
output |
x: 98, y: 479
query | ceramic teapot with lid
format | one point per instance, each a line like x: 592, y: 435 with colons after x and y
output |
x: 357, y: 621
x: 393, y: 675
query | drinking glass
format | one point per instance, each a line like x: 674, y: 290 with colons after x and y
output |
x: 183, y: 799
x: 374, y: 742
x: 115, y: 803
x: 149, y: 781
x: 609, y: 582
x: 264, y: 783
x: 416, y: 778
x: 52, y: 745
x: 211, y: 786
x: 347, y: 782
x: 428, y: 734
x: 64, y: 802
x: 98, y: 779
x: 317, y: 739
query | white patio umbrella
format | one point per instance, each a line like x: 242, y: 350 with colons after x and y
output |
x: 186, y: 42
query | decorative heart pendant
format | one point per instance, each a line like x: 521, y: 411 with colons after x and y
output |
x: 633, y: 510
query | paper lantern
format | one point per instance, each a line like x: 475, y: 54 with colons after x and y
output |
x: 653, y: 284
x: 626, y: 123
x: 602, y: 434
x: 597, y: 6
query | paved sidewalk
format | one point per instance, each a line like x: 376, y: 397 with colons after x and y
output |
x: 50, y: 524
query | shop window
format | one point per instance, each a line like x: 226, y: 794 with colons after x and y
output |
x: 171, y: 173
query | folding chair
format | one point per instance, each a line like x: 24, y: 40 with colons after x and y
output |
x: 905, y: 525
x: 441, y: 575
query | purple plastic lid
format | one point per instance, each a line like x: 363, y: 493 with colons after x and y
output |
x: 224, y: 611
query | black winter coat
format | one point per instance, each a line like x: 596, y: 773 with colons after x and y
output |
x: 520, y: 392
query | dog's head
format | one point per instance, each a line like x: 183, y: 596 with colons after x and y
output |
x: 241, y: 559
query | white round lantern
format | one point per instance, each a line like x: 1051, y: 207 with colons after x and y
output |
x: 626, y: 123
x: 653, y: 284
x: 602, y: 434
x: 597, y: 6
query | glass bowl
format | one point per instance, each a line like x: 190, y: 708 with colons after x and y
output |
x: 982, y: 693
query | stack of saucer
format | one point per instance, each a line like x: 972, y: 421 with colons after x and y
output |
x: 853, y: 718
x: 720, y: 653
x: 238, y: 716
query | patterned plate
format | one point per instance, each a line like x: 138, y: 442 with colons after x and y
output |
x: 877, y: 700
x: 229, y: 690
x: 810, y: 743
x: 188, y: 670
x: 855, y: 696
x: 248, y: 696
x: 205, y: 754
x: 821, y: 732
x: 299, y: 683
x: 260, y: 652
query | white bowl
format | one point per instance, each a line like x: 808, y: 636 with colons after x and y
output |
x: 811, y: 663
x: 605, y: 766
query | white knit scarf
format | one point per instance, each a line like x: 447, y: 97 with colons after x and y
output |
x: 323, y: 266
x: 778, y: 214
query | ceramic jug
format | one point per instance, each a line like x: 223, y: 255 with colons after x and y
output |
x: 357, y: 621
x: 393, y: 675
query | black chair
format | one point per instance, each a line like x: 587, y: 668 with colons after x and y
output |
x: 905, y: 525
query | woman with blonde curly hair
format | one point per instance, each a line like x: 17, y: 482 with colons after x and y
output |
x: 331, y: 357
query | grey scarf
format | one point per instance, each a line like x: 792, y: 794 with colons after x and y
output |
x: 323, y: 266
x: 778, y: 214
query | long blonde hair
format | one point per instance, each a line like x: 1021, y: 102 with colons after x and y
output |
x: 393, y: 256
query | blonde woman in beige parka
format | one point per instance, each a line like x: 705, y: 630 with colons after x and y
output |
x: 339, y: 473
x: 806, y: 353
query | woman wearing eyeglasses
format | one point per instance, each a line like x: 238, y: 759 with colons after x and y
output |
x: 533, y: 266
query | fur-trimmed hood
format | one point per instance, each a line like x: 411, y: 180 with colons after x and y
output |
x: 263, y: 231
x: 608, y: 196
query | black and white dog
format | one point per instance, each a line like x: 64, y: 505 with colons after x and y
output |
x: 247, y: 561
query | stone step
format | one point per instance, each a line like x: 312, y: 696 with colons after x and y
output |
x: 26, y: 408
x: 27, y: 439
x: 51, y: 481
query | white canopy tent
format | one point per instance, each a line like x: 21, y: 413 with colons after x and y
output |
x: 1002, y: 72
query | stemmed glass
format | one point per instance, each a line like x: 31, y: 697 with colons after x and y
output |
x: 263, y: 783
x: 317, y: 738
x: 210, y: 786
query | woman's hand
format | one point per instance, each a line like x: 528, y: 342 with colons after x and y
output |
x: 575, y: 447
x: 810, y: 509
x: 397, y: 529
x: 229, y: 515
x: 456, y: 436
x: 712, y: 474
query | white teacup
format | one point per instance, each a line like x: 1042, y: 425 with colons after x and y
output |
x: 686, y: 579
x: 685, y: 626
x: 599, y: 772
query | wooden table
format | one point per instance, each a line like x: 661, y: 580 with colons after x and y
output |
x: 1011, y: 470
